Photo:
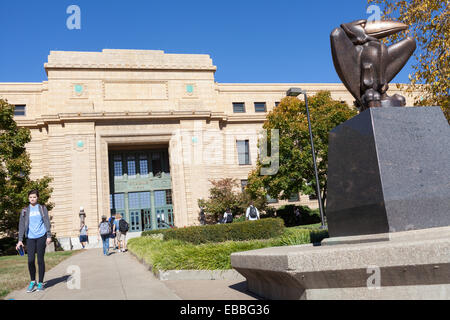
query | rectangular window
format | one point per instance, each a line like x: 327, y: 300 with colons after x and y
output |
x: 133, y: 200
x: 118, y: 170
x: 169, y: 196
x: 19, y: 110
x: 260, y: 107
x: 119, y: 201
x: 160, y: 198
x: 156, y: 163
x: 238, y: 107
x: 243, y: 150
x: 277, y: 104
x: 243, y: 184
x: 294, y: 197
x: 131, y: 165
x: 143, y: 165
x: 271, y: 200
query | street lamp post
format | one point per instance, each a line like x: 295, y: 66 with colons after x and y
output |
x: 294, y: 92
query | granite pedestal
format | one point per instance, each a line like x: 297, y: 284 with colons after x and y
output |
x: 411, y: 265
x: 388, y: 213
x: 388, y: 171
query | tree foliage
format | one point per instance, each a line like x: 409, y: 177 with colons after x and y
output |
x: 15, y: 167
x: 296, y: 170
x: 429, y: 24
x: 225, y: 193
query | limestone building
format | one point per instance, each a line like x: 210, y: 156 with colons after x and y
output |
x: 141, y: 133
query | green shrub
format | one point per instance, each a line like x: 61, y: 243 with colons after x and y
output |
x: 307, y: 215
x: 153, y: 232
x: 239, y: 231
x: 180, y: 255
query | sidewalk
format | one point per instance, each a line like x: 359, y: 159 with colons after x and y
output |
x: 120, y: 276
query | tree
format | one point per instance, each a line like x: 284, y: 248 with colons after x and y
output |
x: 429, y: 24
x: 223, y: 195
x: 15, y: 166
x: 296, y: 169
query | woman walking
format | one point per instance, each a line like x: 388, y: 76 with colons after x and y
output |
x: 104, y: 229
x: 34, y: 224
x: 83, y: 234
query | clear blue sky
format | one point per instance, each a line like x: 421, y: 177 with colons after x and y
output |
x: 249, y: 41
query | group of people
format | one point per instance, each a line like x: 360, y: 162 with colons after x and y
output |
x: 34, y: 225
x: 115, y: 228
x: 252, y: 213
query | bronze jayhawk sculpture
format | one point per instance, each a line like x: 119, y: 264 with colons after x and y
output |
x: 366, y: 65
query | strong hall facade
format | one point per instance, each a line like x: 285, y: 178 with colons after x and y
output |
x: 142, y: 133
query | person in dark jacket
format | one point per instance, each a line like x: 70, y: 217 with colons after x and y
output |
x: 34, y: 224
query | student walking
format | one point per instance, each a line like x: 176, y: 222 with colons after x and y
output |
x: 252, y: 212
x: 122, y: 234
x: 83, y: 234
x: 104, y: 229
x: 227, y: 216
x: 112, y: 235
x: 34, y: 224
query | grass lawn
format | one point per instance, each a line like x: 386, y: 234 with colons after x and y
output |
x: 179, y: 255
x: 14, y: 270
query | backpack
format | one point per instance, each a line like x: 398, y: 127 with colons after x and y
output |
x: 105, y: 228
x: 253, y: 213
x: 123, y: 226
x: 229, y: 218
x: 111, y: 223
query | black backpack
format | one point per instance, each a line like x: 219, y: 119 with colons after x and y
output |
x: 229, y: 218
x: 253, y: 213
x: 123, y: 225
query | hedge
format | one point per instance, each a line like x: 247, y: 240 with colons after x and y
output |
x: 239, y: 231
x: 180, y: 255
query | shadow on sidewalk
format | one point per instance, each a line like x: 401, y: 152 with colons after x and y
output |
x: 242, y: 287
x: 52, y: 282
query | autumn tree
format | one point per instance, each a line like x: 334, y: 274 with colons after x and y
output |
x: 429, y: 24
x: 225, y: 193
x: 15, y: 167
x: 296, y: 169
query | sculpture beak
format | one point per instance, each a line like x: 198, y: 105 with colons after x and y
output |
x: 382, y: 29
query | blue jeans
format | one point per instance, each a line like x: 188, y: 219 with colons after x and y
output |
x: 105, y: 239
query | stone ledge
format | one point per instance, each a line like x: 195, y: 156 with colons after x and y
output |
x: 192, y: 274
x: 413, y: 258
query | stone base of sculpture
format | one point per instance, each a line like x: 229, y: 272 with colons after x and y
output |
x: 410, y: 265
x: 388, y: 171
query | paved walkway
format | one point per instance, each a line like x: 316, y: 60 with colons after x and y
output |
x: 120, y: 276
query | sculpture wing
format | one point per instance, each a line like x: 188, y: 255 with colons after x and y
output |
x: 347, y: 62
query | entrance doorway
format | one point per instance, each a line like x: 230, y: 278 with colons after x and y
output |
x: 140, y: 188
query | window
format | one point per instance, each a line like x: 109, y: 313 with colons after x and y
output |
x: 271, y: 200
x: 277, y: 103
x: 238, y: 107
x: 294, y: 197
x: 143, y: 165
x: 243, y: 184
x: 260, y: 107
x: 243, y: 152
x: 118, y: 170
x: 19, y: 110
x: 160, y: 198
x: 131, y: 165
x: 118, y: 201
x: 168, y: 196
x: 156, y: 163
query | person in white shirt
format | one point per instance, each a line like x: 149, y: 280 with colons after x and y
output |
x: 252, y: 213
x: 227, y: 216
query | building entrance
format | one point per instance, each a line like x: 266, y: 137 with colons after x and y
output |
x: 140, y: 188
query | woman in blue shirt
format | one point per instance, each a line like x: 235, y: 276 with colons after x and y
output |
x: 35, y: 226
